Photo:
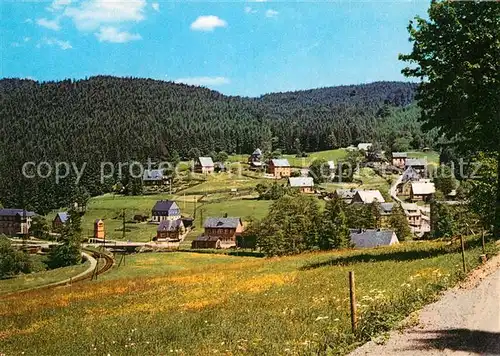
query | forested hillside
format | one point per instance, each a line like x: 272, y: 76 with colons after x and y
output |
x: 122, y: 119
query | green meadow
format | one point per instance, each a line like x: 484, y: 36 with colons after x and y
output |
x: 201, y: 304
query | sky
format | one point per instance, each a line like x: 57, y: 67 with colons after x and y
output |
x: 237, y: 48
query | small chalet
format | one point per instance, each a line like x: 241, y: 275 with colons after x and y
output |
x: 345, y: 194
x: 409, y: 175
x: 154, y: 177
x: 399, y: 159
x: 219, y: 233
x: 413, y: 215
x: 302, y: 184
x: 279, y: 168
x: 385, y: 213
x: 99, y: 229
x: 255, y: 159
x: 423, y: 191
x: 367, y: 197
x: 419, y: 165
x: 170, y: 229
x: 59, y: 221
x: 204, y: 165
x: 165, y: 210
x: 15, y: 221
x: 373, y: 238
x: 364, y: 146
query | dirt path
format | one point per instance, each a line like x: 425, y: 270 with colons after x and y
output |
x: 465, y: 321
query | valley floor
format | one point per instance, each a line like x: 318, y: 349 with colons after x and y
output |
x: 188, y: 303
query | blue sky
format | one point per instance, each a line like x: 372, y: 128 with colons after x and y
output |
x: 237, y: 48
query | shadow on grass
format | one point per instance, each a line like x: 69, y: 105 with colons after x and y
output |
x: 476, y: 341
x: 380, y: 256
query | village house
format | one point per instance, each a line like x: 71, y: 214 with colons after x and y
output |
x: 255, y: 159
x: 409, y: 175
x: 219, y: 233
x: 59, y: 221
x: 279, y: 168
x: 99, y: 229
x: 413, y: 215
x: 345, y: 194
x: 364, y: 146
x: 419, y: 165
x: 165, y: 210
x: 367, y: 197
x: 154, y: 177
x: 15, y: 221
x: 204, y: 165
x: 399, y: 159
x: 423, y: 191
x: 302, y: 184
x: 170, y: 229
x: 385, y: 210
x: 373, y: 238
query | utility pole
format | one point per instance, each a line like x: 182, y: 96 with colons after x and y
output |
x: 123, y: 229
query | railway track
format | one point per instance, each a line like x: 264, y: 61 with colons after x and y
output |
x: 108, y: 263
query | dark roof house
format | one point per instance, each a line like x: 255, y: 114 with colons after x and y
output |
x: 170, y: 225
x: 231, y: 223
x: 386, y: 208
x: 16, y: 212
x: 373, y: 238
x: 63, y: 216
x: 152, y: 175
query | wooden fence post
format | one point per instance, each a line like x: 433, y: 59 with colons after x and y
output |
x: 463, y: 253
x: 352, y: 294
x: 482, y: 241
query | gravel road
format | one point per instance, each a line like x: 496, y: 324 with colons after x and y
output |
x: 465, y: 321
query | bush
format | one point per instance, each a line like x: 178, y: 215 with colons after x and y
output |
x: 12, y: 261
x: 64, y: 255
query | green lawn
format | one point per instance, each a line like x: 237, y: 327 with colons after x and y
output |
x: 198, y: 304
x: 37, y: 279
x: 219, y: 182
x: 431, y: 156
x: 109, y: 208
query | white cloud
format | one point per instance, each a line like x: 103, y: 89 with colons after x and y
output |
x: 260, y: 0
x: 28, y: 21
x: 26, y: 39
x: 15, y: 44
x: 50, y: 24
x: 271, y: 13
x: 64, y: 45
x: 207, y: 23
x: 93, y: 13
x: 112, y: 34
x: 155, y: 6
x: 249, y: 10
x: 204, y: 81
x: 58, y: 5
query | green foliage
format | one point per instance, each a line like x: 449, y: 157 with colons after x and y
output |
x: 319, y: 170
x: 442, y: 222
x: 39, y: 227
x: 274, y: 191
x: 360, y: 216
x: 68, y: 253
x: 399, y: 223
x: 444, y: 179
x: 12, y: 261
x: 290, y: 227
x: 108, y: 119
x: 334, y: 231
x: 482, y: 190
x: 456, y: 55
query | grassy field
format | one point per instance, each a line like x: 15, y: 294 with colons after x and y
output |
x: 109, y: 208
x: 37, y: 279
x: 201, y: 304
x: 223, y: 182
x: 431, y: 156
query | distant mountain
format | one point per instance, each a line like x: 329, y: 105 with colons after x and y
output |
x: 120, y: 119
